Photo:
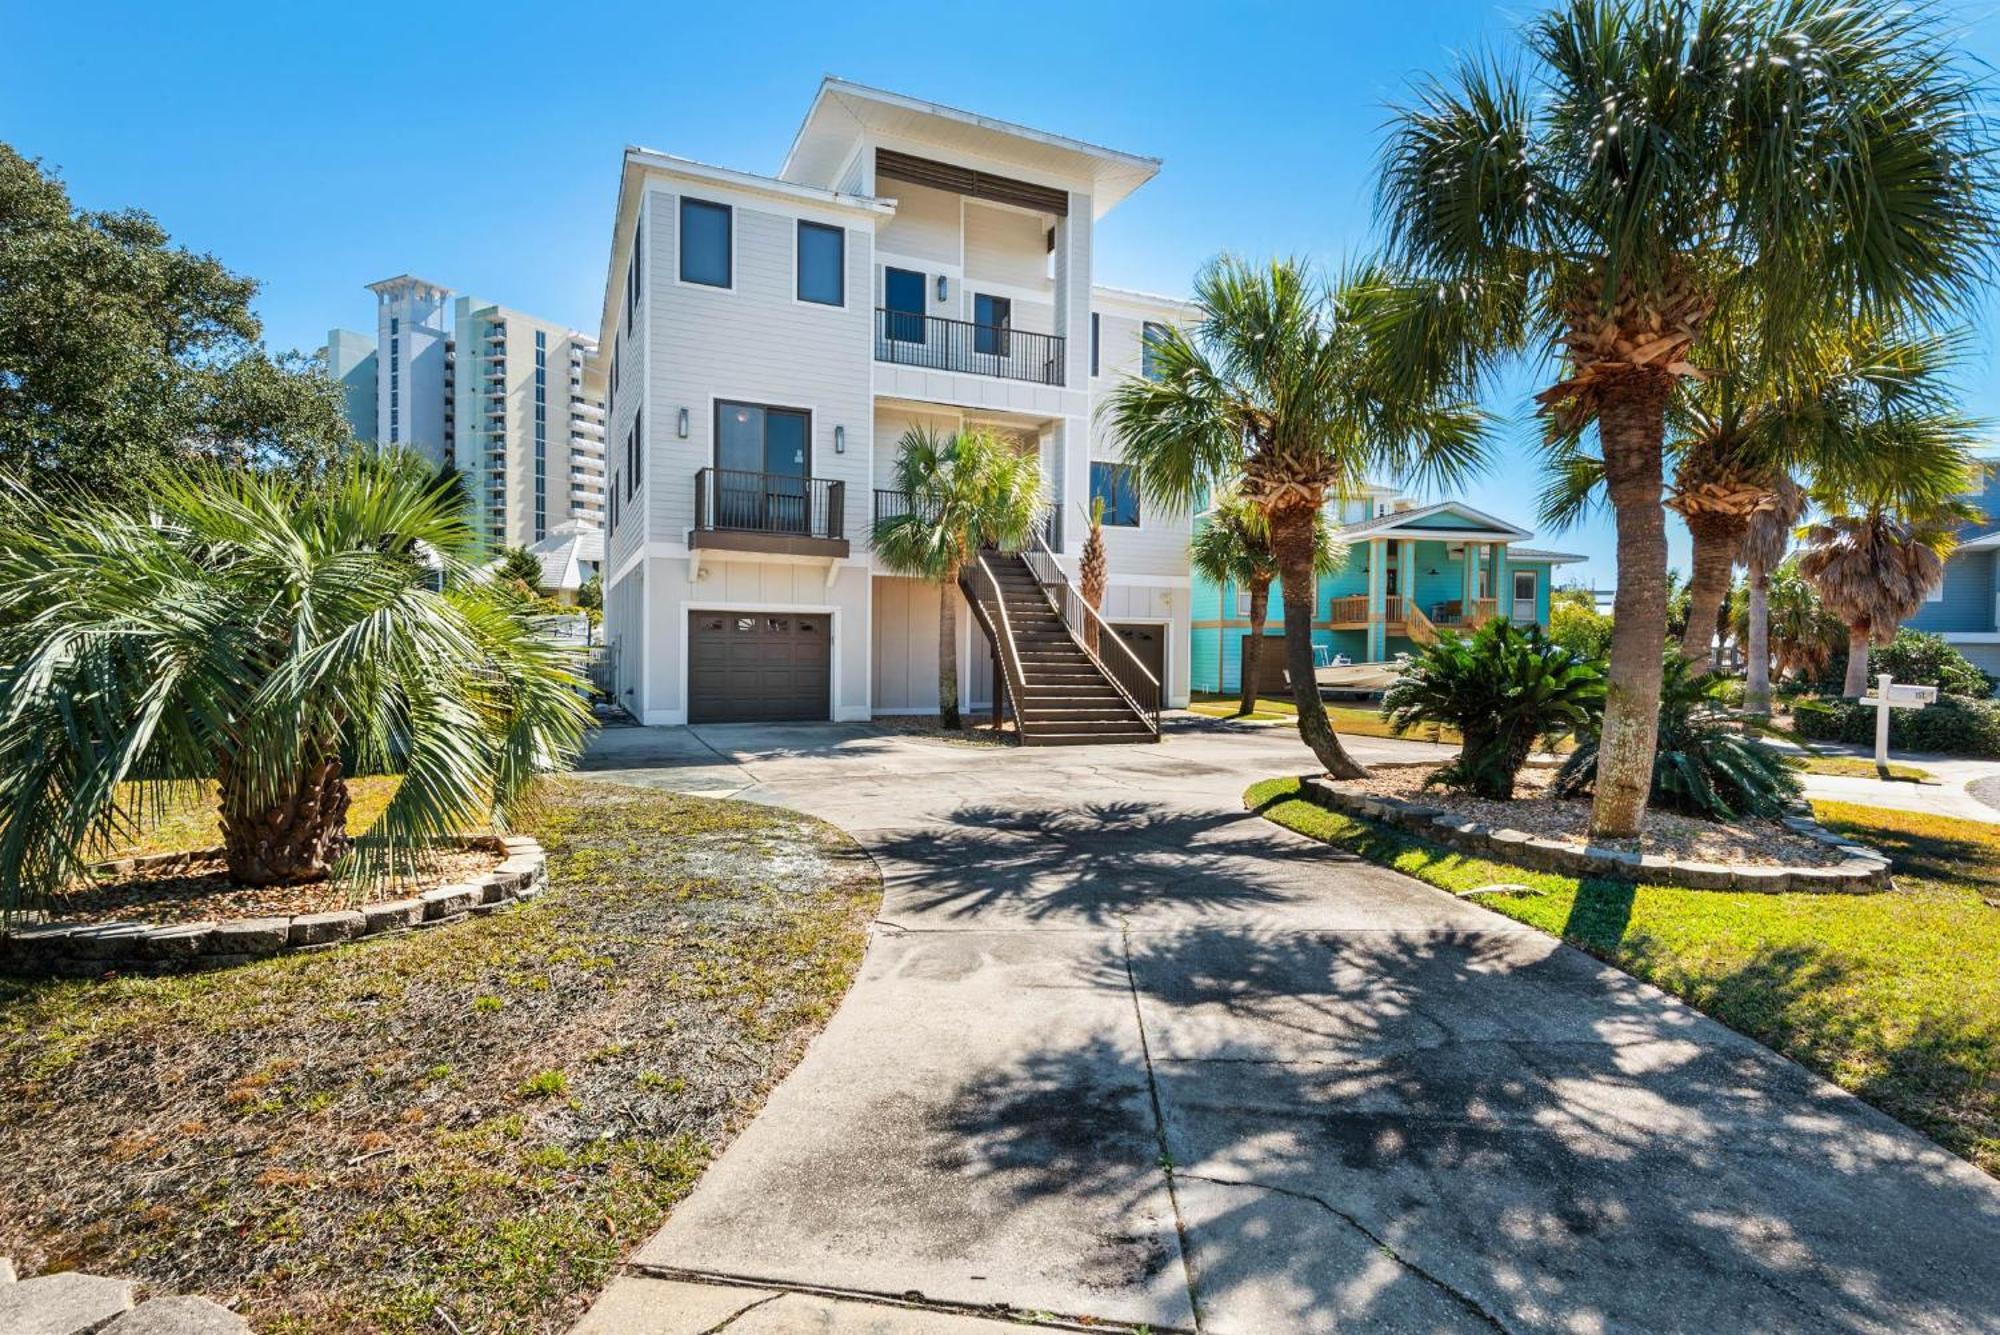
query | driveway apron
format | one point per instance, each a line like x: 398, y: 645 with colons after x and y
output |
x: 1120, y: 1050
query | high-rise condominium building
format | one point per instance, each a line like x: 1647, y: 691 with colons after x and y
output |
x: 493, y: 392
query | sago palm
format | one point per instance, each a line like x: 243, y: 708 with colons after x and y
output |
x: 1278, y: 388
x: 964, y: 491
x: 274, y: 636
x: 1232, y: 547
x: 1503, y: 687
x: 1653, y: 166
x: 1873, y: 566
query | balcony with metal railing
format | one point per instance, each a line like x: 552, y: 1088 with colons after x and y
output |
x: 937, y: 344
x: 778, y: 514
x: 895, y: 504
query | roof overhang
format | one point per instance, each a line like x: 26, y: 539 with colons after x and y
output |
x: 1422, y: 523
x: 842, y: 111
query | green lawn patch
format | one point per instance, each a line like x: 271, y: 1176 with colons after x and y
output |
x: 1854, y: 767
x: 1894, y: 996
x: 463, y: 1128
x: 187, y: 818
x: 1354, y: 720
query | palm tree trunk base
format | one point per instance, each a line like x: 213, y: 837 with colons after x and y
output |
x: 292, y: 842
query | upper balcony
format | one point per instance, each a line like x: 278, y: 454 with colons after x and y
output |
x: 938, y: 344
x: 778, y: 514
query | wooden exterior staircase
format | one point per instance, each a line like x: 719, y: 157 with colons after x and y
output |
x: 1060, y: 692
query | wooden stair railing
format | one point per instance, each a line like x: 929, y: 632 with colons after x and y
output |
x: 1416, y: 625
x: 999, y: 633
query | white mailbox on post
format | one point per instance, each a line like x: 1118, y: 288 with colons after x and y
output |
x: 1888, y: 695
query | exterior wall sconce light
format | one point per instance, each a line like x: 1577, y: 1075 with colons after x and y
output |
x: 681, y: 425
x: 944, y: 287
x: 840, y: 440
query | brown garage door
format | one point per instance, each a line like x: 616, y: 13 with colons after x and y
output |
x: 1149, y: 645
x: 747, y: 667
x: 1270, y: 667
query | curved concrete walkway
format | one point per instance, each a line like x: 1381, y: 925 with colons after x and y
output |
x: 1122, y: 1051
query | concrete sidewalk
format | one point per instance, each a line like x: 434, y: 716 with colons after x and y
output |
x: 1122, y: 1052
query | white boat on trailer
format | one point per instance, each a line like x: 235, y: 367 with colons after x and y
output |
x: 1338, y: 674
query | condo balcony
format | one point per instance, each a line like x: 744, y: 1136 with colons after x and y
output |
x: 896, y: 504
x: 938, y: 344
x: 777, y: 513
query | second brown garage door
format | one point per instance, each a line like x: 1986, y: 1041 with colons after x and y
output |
x: 752, y: 667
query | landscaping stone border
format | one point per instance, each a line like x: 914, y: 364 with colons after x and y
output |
x: 87, y: 949
x: 1865, y: 871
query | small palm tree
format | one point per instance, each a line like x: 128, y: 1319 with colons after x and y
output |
x: 964, y: 492
x: 1279, y: 389
x: 1503, y: 687
x: 1655, y: 168
x: 276, y: 636
x: 1232, y: 547
x: 1093, y: 570
x: 1801, y: 634
x: 1873, y: 567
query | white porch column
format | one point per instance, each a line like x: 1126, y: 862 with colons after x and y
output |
x: 1072, y: 274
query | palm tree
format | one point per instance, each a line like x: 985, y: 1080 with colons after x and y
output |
x: 1802, y: 633
x: 274, y: 635
x: 964, y: 491
x: 1656, y: 167
x: 1874, y: 566
x: 1278, y: 388
x: 1766, y: 538
x: 1093, y: 570
x: 1233, y: 547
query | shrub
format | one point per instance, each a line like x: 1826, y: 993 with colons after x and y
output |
x: 1705, y: 765
x: 1577, y: 625
x: 1501, y: 687
x: 1956, y: 725
x: 1918, y: 658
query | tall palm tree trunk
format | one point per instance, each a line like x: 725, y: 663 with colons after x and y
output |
x: 1757, y: 684
x: 1631, y: 426
x: 1856, y: 684
x: 1716, y: 539
x: 1292, y: 544
x: 1253, y: 648
x: 948, y: 650
x: 293, y: 840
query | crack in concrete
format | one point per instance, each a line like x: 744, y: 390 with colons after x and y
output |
x: 740, y: 1313
x: 1463, y: 1299
x: 1160, y: 1134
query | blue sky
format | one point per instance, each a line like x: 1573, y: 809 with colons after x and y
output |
x: 319, y: 148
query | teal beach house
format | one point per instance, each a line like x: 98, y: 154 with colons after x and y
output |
x: 1411, y: 570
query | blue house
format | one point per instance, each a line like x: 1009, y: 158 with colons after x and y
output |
x: 1410, y: 570
x: 1964, y: 609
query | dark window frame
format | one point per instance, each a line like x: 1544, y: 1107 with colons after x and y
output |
x: 1116, y: 494
x: 1095, y: 341
x: 1148, y: 331
x: 728, y: 211
x: 906, y: 326
x: 715, y: 435
x: 839, y: 267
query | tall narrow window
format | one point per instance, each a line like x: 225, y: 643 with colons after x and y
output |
x: 1112, y: 484
x: 822, y: 264
x: 903, y: 304
x: 1094, y: 337
x: 705, y: 243
x: 1149, y: 338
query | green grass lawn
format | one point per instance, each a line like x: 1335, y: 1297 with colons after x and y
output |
x: 1894, y: 996
x: 460, y: 1129
x: 1355, y: 720
x: 1854, y: 767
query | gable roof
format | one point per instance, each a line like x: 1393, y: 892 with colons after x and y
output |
x: 1412, y: 522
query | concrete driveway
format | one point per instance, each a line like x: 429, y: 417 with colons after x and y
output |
x: 1121, y: 1051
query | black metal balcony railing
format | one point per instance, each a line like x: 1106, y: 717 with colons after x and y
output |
x: 959, y: 345
x: 895, y: 504
x: 808, y: 507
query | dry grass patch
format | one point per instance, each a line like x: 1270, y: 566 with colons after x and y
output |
x: 463, y: 1128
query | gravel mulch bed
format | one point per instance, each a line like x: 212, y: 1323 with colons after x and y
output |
x: 437, y: 1131
x: 201, y: 890
x: 1667, y: 834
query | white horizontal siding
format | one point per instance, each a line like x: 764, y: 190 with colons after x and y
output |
x: 754, y: 343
